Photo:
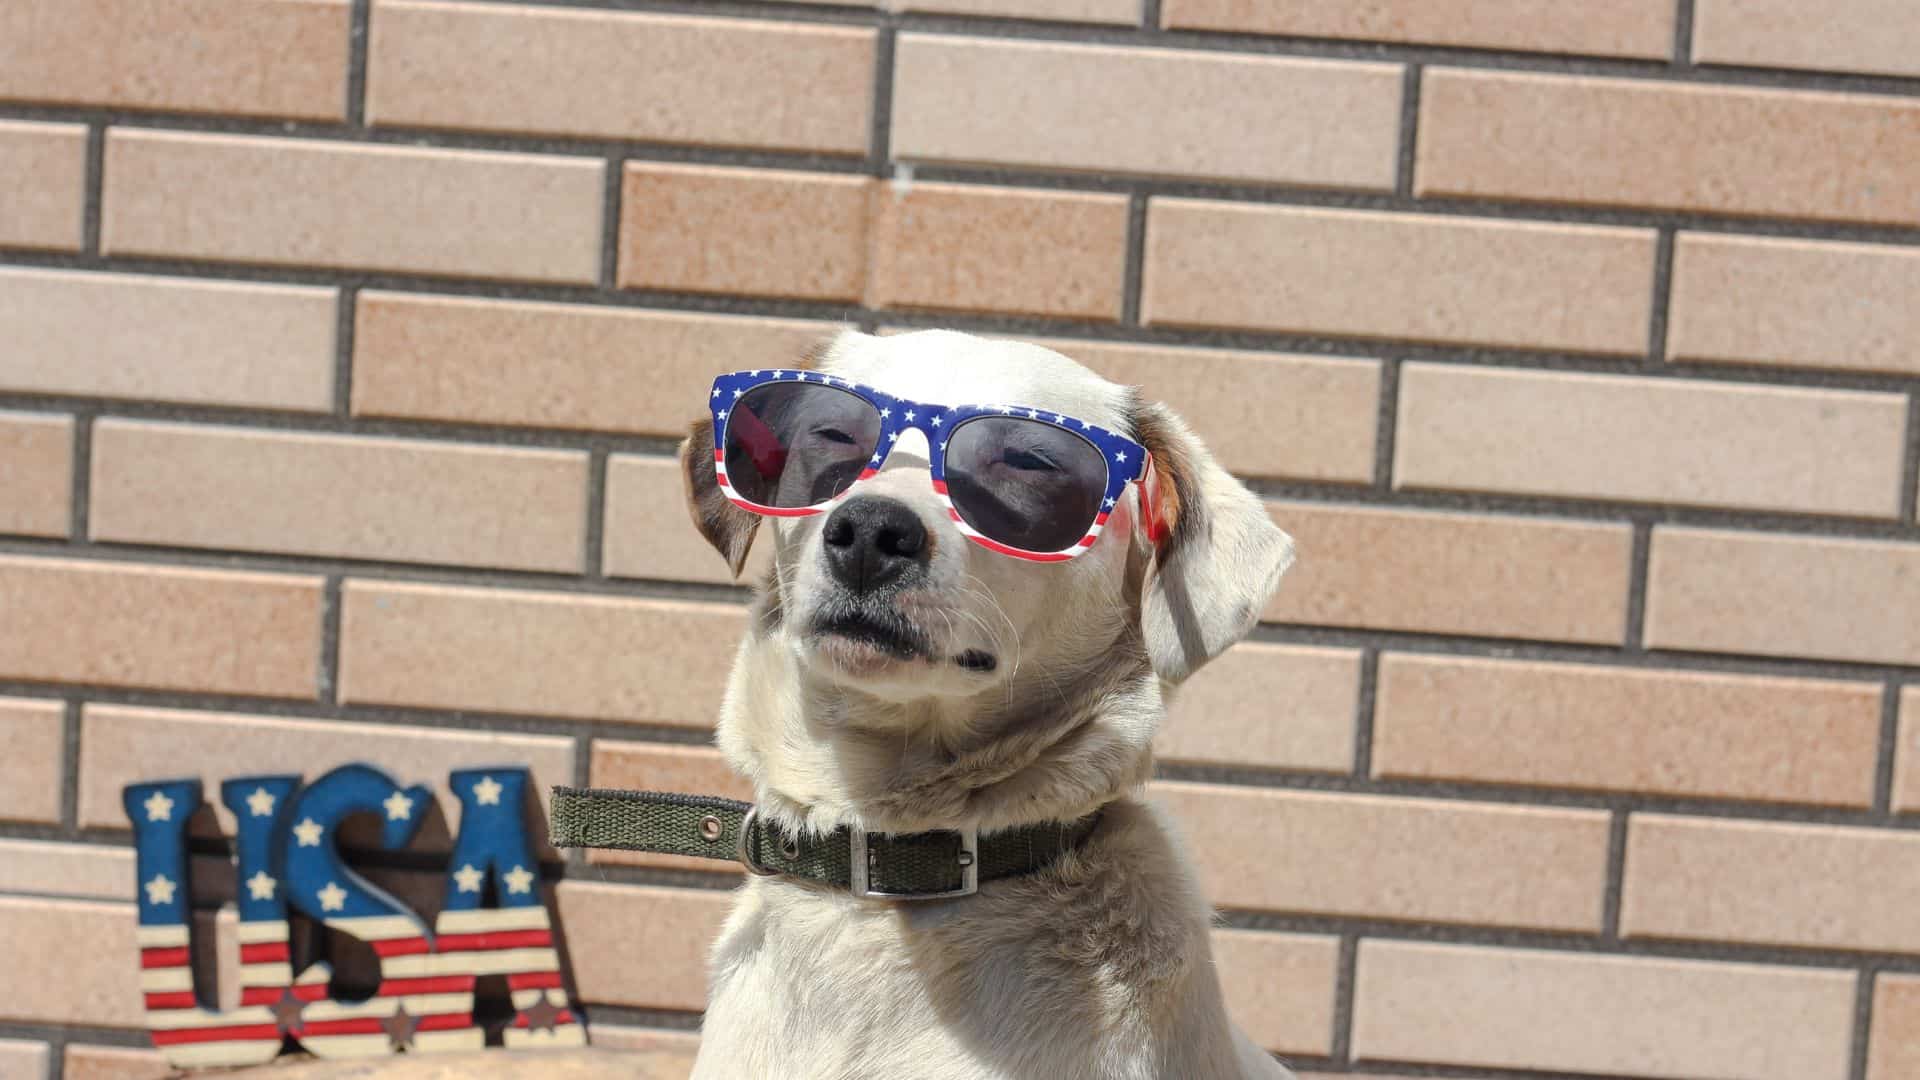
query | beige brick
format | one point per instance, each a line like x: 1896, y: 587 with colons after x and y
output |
x: 36, y: 473
x: 1279, y: 987
x: 555, y: 654
x: 1021, y: 251
x: 1906, y: 768
x: 1650, y: 440
x: 1783, y: 595
x: 113, y: 1063
x: 1770, y: 883
x: 160, y: 628
x: 1876, y: 37
x: 602, y: 74
x: 32, y: 747
x: 75, y: 871
x: 1426, y: 860
x: 691, y: 770
x: 253, y: 57
x: 1795, y: 303
x: 1894, y: 1046
x: 93, y: 985
x: 696, y: 228
x: 1446, y: 573
x: 297, y: 202
x: 25, y: 1060
x: 1272, y: 706
x: 167, y: 339
x: 482, y: 361
x: 1667, y: 145
x: 121, y: 745
x: 1617, y: 1015
x: 1616, y: 729
x: 349, y: 496
x: 614, y: 931
x: 649, y: 533
x: 1642, y: 28
x: 1125, y: 12
x: 1451, y: 280
x: 43, y: 168
x: 1097, y: 108
x: 1262, y: 414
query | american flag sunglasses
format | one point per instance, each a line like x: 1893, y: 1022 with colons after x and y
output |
x: 1021, y: 481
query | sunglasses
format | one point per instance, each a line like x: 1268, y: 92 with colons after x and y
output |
x: 1024, y: 482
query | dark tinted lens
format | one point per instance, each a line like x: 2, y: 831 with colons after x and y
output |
x: 798, y: 444
x: 1024, y: 483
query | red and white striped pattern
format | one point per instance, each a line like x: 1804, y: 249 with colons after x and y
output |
x: 192, y: 1036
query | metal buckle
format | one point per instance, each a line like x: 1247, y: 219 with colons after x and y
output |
x: 744, y: 847
x: 861, y: 857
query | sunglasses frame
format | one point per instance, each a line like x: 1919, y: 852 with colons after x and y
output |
x: 1127, y: 462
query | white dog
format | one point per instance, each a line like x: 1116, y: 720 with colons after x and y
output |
x: 899, y: 678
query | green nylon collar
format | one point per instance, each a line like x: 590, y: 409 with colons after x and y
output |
x: 917, y: 866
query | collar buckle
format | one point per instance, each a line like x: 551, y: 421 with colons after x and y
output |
x: 866, y: 856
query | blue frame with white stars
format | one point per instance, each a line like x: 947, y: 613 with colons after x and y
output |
x: 1126, y: 460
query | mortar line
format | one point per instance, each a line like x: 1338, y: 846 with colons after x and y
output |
x: 1345, y: 975
x: 1150, y: 17
x: 1862, y: 1021
x: 1365, y: 712
x: 1658, y: 309
x: 1683, y: 36
x: 1910, y: 475
x: 1386, y: 426
x: 880, y: 133
x: 610, y: 211
x: 345, y: 323
x: 70, y: 719
x: 1616, y: 877
x: 1409, y: 130
x: 81, y: 490
x: 330, y: 614
x: 1639, y: 561
x: 1133, y: 265
x: 594, y: 556
x: 1888, y: 752
x: 358, y: 46
x: 93, y: 210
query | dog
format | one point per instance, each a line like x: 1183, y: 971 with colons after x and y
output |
x: 898, y: 678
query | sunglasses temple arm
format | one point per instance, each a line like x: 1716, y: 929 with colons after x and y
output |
x: 1149, y: 481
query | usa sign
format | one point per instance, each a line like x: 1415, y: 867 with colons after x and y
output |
x: 288, y: 859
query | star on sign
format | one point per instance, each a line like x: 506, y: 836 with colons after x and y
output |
x: 519, y: 880
x: 308, y: 833
x: 399, y: 807
x: 260, y: 886
x: 487, y: 791
x: 332, y: 898
x: 286, y: 1011
x: 260, y: 803
x: 400, y: 1028
x: 541, y: 1015
x: 159, y: 807
x: 160, y: 890
x: 909, y: 415
x: 468, y: 878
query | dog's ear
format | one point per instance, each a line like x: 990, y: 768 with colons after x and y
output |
x: 1218, y: 556
x: 727, y: 527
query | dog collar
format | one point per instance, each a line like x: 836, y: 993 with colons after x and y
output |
x: 933, y: 865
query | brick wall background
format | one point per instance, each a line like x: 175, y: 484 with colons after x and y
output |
x: 343, y: 346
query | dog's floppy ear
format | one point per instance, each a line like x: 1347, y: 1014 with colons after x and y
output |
x: 727, y: 527
x: 1219, y: 556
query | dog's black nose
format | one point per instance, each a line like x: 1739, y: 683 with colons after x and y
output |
x: 873, y: 541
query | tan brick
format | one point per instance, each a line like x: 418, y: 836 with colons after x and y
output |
x: 113, y: 1063
x: 1273, y: 706
x: 1906, y: 768
x: 691, y: 770
x: 614, y: 931
x: 93, y: 985
x: 121, y: 745
x: 1428, y: 278
x: 649, y: 533
x: 1770, y: 883
x: 32, y: 747
x: 1667, y: 145
x: 298, y: 202
x: 1642, y: 28
x: 972, y: 248
x: 75, y: 871
x: 25, y: 1060
x: 1097, y: 108
x: 696, y: 228
x: 254, y: 57
x: 602, y: 74
x: 43, y: 168
x: 1445, y: 573
x: 1795, y: 303
x: 482, y: 361
x: 167, y: 339
x: 1126, y: 12
x: 1617, y: 1015
x: 1616, y: 729
x: 556, y: 654
x: 161, y: 628
x: 1876, y: 37
x: 1427, y: 860
x: 1262, y: 414
x: 1783, y: 595
x: 1650, y: 440
x: 349, y: 496
x: 1279, y: 987
x: 36, y: 473
x: 1894, y: 1046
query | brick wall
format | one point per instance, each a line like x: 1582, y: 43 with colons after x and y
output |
x: 343, y: 346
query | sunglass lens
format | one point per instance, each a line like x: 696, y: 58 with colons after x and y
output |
x: 790, y: 445
x: 1025, y: 483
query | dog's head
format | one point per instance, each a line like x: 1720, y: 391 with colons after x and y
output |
x: 884, y: 595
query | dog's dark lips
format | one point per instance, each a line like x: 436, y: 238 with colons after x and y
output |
x: 888, y: 633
